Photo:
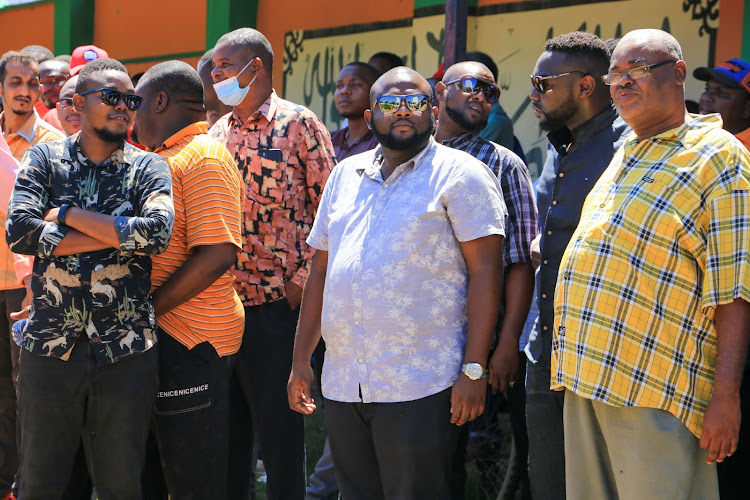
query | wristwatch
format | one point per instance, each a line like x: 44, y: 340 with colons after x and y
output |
x: 61, y: 214
x: 474, y: 371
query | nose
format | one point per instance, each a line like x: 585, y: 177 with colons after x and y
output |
x: 534, y: 94
x: 214, y: 73
x: 479, y: 95
x: 706, y: 97
x: 403, y: 109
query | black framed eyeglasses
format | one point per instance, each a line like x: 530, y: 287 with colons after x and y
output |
x: 540, y: 82
x: 111, y: 97
x: 66, y: 102
x: 612, y: 78
x: 414, y: 102
x: 472, y: 85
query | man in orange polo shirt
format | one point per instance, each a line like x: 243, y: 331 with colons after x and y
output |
x: 22, y: 128
x: 20, y: 86
x: 200, y: 316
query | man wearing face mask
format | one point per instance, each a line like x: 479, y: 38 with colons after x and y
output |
x: 285, y: 155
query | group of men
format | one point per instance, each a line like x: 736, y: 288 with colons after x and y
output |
x: 182, y: 290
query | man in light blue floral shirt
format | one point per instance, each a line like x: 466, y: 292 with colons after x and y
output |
x: 405, y: 287
x: 91, y: 209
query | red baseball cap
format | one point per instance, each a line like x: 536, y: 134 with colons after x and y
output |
x: 83, y: 55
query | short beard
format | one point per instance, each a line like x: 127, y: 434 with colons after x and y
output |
x: 557, y: 118
x: 419, y: 138
x: 462, y: 122
x: 109, y: 136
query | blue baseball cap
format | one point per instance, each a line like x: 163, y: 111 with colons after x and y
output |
x: 732, y: 73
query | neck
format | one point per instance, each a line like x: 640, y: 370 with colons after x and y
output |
x: 668, y: 123
x: 174, y: 125
x: 357, y: 128
x: 253, y: 101
x: 13, y: 122
x: 446, y: 128
x: 94, y: 148
x: 393, y: 158
x: 588, y: 111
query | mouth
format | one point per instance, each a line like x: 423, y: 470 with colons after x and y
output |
x: 344, y: 102
x: 621, y: 95
x: 22, y: 100
x: 125, y: 119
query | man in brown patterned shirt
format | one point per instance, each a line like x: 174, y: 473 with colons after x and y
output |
x: 285, y: 155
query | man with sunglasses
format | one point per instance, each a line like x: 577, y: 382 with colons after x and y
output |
x: 92, y: 210
x: 405, y: 287
x: 583, y: 131
x: 285, y: 155
x: 466, y: 95
x: 651, y: 310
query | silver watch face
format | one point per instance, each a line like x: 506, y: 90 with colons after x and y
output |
x: 474, y: 371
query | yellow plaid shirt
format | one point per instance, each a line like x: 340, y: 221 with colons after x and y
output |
x: 663, y: 239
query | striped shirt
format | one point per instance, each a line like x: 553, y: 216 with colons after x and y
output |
x: 207, y: 191
x: 663, y: 240
x: 33, y: 131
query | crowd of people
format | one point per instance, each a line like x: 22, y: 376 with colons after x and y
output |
x: 182, y: 243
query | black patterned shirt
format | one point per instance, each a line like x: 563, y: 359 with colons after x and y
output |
x: 102, y: 294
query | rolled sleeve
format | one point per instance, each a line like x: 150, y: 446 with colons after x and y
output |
x: 26, y: 231
x: 149, y: 233
x: 474, y: 202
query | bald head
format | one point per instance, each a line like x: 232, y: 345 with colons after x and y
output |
x: 471, y: 68
x: 394, y: 78
x: 657, y: 41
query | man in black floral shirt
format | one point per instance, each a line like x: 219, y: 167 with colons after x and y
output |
x: 91, y: 209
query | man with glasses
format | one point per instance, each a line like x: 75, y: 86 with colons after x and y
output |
x: 466, y: 95
x: 91, y: 209
x: 285, y: 155
x: 583, y: 131
x: 651, y: 310
x: 405, y: 287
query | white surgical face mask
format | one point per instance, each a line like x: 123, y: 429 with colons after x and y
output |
x: 229, y: 91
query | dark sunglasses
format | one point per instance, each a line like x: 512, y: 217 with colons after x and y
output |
x: 540, y: 82
x: 470, y: 85
x: 112, y: 97
x: 391, y: 103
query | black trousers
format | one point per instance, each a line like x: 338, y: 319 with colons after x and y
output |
x: 191, y: 419
x: 10, y: 301
x: 261, y: 372
x: 733, y: 471
x: 393, y: 450
x: 109, y: 405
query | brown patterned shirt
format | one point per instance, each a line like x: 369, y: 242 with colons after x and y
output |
x: 285, y: 155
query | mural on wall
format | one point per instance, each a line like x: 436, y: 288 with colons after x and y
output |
x: 515, y: 39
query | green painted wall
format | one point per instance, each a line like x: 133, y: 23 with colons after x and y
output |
x: 227, y: 15
x: 74, y: 24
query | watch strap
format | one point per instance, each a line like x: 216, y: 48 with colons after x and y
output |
x: 61, y: 214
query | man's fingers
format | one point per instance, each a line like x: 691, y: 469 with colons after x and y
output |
x: 714, y: 448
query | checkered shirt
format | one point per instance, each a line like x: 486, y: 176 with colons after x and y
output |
x: 663, y: 239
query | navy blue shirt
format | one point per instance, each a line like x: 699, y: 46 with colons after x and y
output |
x: 105, y: 294
x: 565, y: 182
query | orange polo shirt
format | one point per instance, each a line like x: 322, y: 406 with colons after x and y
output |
x: 207, y: 190
x: 33, y: 131
x: 744, y: 138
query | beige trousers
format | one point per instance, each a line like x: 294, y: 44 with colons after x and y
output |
x: 632, y: 454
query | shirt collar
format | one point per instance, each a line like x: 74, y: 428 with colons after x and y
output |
x: 372, y: 170
x: 687, y: 134
x: 340, y: 138
x: 196, y: 128
x: 462, y: 140
x: 29, y: 127
x: 122, y: 155
x: 267, y: 110
x: 562, y: 137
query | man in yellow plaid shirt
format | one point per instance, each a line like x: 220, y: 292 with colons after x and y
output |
x: 652, y: 310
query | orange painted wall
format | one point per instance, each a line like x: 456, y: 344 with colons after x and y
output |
x: 33, y: 25
x: 275, y: 18
x: 729, y: 37
x: 141, y: 28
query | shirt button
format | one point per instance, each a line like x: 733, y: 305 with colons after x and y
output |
x: 601, y: 206
x: 554, y: 202
x: 561, y: 174
x: 545, y: 261
x: 355, y: 285
x: 544, y: 295
x: 356, y: 322
x: 360, y: 360
x: 549, y: 232
x: 544, y: 327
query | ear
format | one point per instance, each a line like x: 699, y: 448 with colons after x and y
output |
x: 160, y: 102
x: 368, y: 118
x: 435, y: 111
x: 680, y: 72
x: 440, y: 89
x: 586, y: 87
x: 78, y: 101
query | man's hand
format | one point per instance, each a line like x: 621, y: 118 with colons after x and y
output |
x: 721, y: 426
x: 26, y: 303
x: 299, y: 388
x: 293, y: 294
x: 51, y: 215
x: 504, y: 367
x: 536, y: 255
x: 467, y: 399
